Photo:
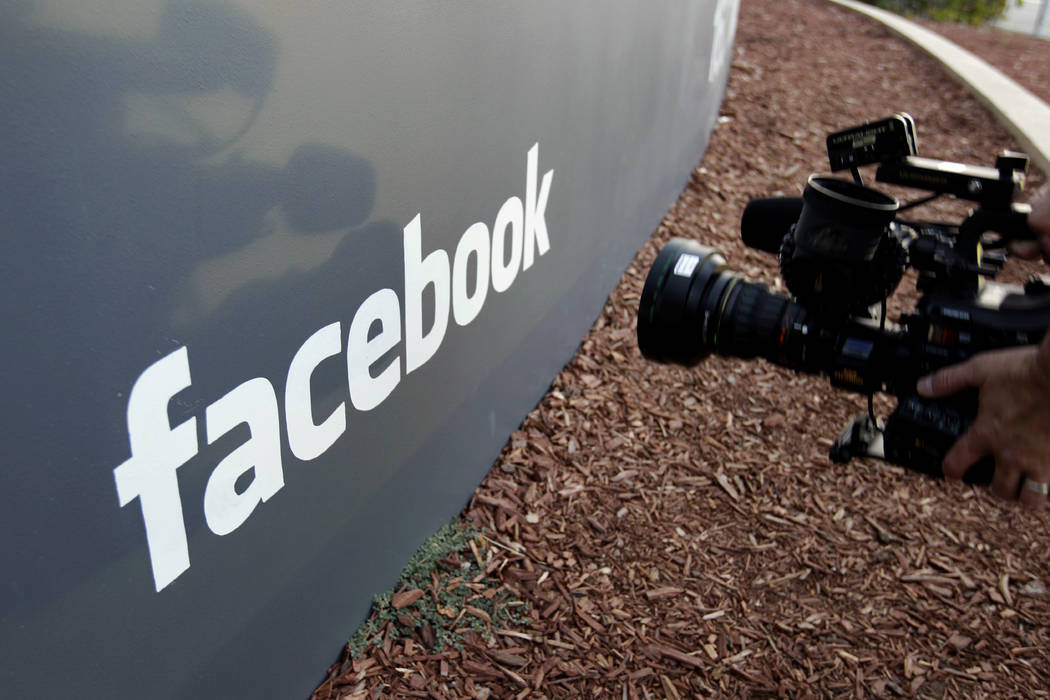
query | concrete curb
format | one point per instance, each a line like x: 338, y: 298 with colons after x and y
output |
x: 1021, y: 113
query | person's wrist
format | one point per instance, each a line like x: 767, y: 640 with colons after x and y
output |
x: 1039, y: 218
x: 1041, y: 363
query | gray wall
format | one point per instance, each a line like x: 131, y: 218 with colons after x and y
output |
x: 230, y: 409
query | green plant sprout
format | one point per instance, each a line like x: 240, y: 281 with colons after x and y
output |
x: 441, y: 595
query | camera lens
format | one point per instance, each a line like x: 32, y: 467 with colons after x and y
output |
x: 692, y: 305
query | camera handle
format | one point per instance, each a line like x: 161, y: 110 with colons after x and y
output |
x: 961, y: 263
x: 917, y: 435
x: 1009, y: 225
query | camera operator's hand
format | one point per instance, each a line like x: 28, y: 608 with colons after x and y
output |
x: 1039, y: 222
x: 1013, y: 419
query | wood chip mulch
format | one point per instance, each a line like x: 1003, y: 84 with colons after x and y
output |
x: 1022, y: 57
x: 681, y: 532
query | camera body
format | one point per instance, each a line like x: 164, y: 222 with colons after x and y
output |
x: 843, y: 249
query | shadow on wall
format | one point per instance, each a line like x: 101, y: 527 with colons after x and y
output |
x: 132, y: 227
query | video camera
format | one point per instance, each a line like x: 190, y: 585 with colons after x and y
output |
x: 843, y: 250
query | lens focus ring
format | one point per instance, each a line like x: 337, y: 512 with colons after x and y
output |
x: 752, y: 322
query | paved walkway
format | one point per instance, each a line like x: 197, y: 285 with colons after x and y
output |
x: 1022, y: 114
x: 1025, y: 19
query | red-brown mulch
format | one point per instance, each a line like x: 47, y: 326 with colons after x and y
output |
x: 1022, y: 57
x: 681, y: 532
